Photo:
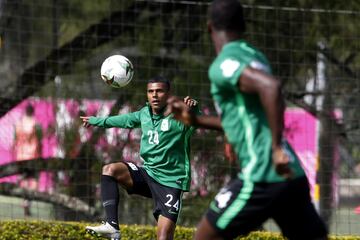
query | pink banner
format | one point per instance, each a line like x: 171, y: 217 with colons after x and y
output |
x: 301, y: 130
x: 52, y: 118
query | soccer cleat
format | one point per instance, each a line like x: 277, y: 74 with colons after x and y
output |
x: 104, y: 230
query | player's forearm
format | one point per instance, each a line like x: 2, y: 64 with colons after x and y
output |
x: 208, y: 122
x: 268, y: 89
x: 120, y: 121
x: 98, y: 121
x: 106, y: 122
x: 273, y: 103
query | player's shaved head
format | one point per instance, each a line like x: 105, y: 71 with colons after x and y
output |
x: 227, y: 15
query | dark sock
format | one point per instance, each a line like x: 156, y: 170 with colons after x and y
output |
x: 110, y: 199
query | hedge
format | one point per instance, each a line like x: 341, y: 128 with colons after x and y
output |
x: 39, y: 230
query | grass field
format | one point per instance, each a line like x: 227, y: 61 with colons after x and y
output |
x: 12, y: 208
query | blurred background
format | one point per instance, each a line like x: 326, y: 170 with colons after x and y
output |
x: 50, y: 58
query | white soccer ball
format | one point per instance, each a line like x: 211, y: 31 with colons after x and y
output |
x: 117, y: 71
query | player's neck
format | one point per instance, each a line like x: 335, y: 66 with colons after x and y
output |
x: 223, y: 37
x: 158, y: 111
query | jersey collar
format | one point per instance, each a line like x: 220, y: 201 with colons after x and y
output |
x: 155, y: 116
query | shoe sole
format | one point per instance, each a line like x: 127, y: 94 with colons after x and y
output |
x: 92, y: 232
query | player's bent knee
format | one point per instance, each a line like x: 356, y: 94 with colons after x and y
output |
x: 109, y: 170
x: 117, y: 170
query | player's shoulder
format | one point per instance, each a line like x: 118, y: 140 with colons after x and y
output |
x: 254, y: 57
x: 144, y: 108
x: 225, y: 64
x: 143, y: 111
x: 239, y: 46
x: 175, y: 124
x: 231, y: 52
x: 239, y: 54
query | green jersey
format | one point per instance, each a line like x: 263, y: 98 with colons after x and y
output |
x: 164, y: 146
x: 242, y: 115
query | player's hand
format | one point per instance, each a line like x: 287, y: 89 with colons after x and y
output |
x: 85, y: 121
x: 190, y: 102
x: 281, y: 162
x: 181, y: 110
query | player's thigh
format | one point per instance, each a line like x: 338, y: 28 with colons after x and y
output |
x: 165, y: 228
x: 140, y: 183
x: 120, y: 172
x: 239, y: 208
x: 296, y: 215
x: 303, y: 223
x: 167, y: 200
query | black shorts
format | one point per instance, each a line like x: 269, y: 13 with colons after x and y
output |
x: 242, y: 207
x: 167, y: 200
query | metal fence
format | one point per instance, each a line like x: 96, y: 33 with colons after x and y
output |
x: 51, y: 53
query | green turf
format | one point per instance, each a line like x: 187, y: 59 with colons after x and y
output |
x: 12, y: 208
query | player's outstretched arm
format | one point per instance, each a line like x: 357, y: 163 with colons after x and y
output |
x: 129, y: 120
x: 269, y: 90
x: 182, y: 112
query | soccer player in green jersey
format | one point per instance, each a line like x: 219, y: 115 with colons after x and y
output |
x: 248, y: 98
x: 165, y: 174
